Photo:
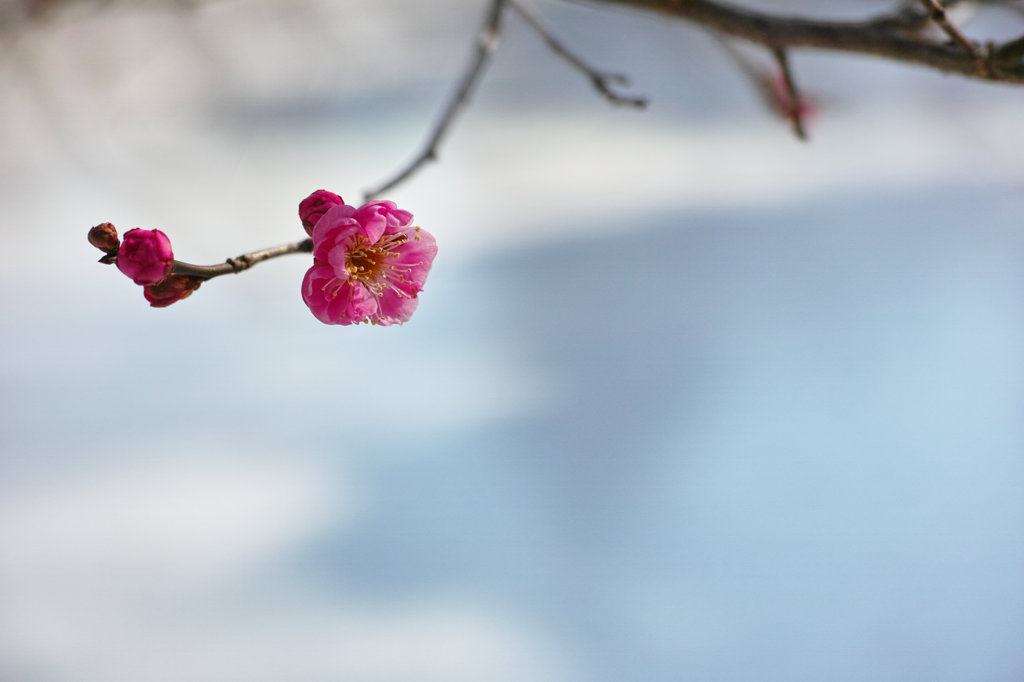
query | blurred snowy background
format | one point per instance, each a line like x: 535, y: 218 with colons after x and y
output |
x: 685, y: 399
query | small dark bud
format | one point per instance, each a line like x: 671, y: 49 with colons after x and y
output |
x: 104, y: 238
x: 170, y: 289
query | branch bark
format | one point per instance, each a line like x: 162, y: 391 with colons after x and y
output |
x: 239, y: 263
x: 884, y: 37
x: 601, y: 81
x: 487, y: 42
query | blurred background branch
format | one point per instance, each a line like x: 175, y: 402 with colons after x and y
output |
x: 688, y: 401
x: 891, y: 36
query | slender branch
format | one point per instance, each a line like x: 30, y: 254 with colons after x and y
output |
x: 601, y: 81
x: 238, y: 264
x: 487, y: 42
x: 937, y: 13
x: 1010, y: 51
x: 792, y: 108
x: 881, y: 37
x: 779, y: 91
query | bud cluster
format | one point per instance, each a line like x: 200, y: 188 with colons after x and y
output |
x: 370, y: 262
x: 146, y: 257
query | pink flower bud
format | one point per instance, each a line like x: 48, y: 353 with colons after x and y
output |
x: 145, y: 256
x: 782, y: 101
x: 170, y: 289
x: 104, y: 238
x: 313, y: 207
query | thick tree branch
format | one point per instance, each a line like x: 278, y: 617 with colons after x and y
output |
x: 884, y: 37
x: 897, y: 36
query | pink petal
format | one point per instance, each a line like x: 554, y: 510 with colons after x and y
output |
x: 415, y: 257
x: 353, y: 304
x: 339, y: 234
x: 395, y: 308
x: 317, y: 277
x: 374, y: 219
x: 333, y: 301
x: 335, y: 216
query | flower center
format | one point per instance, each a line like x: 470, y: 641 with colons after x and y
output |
x: 367, y: 262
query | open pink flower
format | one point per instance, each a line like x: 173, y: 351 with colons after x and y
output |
x: 369, y: 264
x: 313, y: 207
x: 145, y: 256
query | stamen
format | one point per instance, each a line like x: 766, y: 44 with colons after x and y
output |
x: 366, y: 262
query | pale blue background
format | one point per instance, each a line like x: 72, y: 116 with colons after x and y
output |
x: 684, y: 399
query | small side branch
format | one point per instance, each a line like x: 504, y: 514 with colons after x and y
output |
x: 793, y: 105
x: 887, y: 37
x: 1011, y: 51
x: 937, y: 13
x: 487, y: 43
x: 778, y: 90
x: 602, y: 81
x: 238, y: 264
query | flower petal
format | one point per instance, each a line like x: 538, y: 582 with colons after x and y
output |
x: 353, y: 304
x: 395, y: 308
x: 413, y: 261
x: 333, y: 300
x: 336, y: 236
x: 373, y: 218
x: 333, y: 218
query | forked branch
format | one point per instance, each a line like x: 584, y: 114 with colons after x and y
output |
x: 886, y: 37
x: 602, y: 81
x: 897, y: 36
x: 487, y: 42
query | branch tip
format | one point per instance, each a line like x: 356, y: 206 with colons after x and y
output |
x: 602, y: 81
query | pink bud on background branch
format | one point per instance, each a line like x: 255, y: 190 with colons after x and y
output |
x: 369, y: 263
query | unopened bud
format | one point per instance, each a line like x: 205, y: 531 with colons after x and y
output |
x: 104, y: 238
x: 170, y: 289
x: 313, y: 207
x: 145, y: 256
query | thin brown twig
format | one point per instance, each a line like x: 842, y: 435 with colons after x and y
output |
x: 937, y: 13
x: 791, y: 109
x: 487, y: 42
x: 238, y: 264
x: 602, y: 81
x: 779, y: 93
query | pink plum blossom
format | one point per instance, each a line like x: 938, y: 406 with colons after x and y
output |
x: 313, y: 207
x: 369, y: 264
x: 145, y: 256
